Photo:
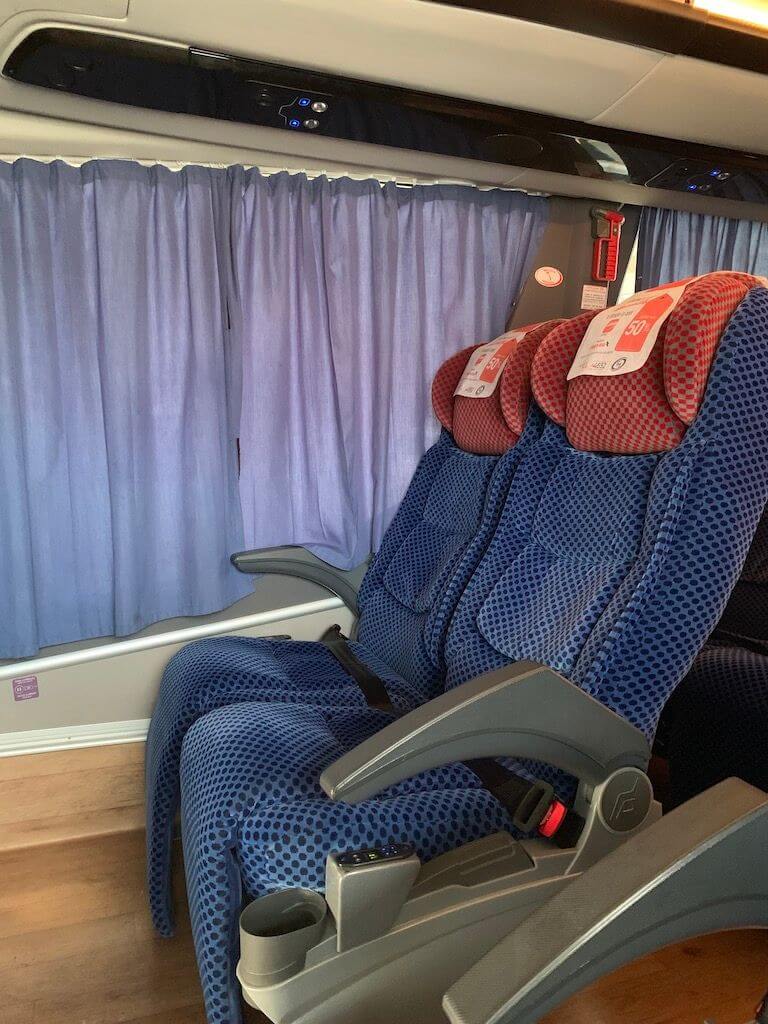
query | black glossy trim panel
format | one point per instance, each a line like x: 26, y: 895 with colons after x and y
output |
x: 226, y: 87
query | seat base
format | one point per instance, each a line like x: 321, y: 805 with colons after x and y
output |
x: 460, y: 906
x: 444, y: 928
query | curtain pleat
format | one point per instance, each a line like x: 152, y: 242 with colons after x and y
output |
x: 149, y: 318
x: 118, y: 475
x: 352, y: 295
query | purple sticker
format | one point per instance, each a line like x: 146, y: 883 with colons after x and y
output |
x: 25, y: 688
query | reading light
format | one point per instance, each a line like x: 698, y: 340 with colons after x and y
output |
x: 751, y: 12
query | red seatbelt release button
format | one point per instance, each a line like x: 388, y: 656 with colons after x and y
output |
x: 553, y: 819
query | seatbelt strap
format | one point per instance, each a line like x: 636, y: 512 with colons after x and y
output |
x: 373, y: 688
x: 530, y: 805
x: 526, y: 802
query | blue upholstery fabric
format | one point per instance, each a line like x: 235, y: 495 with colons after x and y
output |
x: 612, y: 569
x: 406, y: 601
x: 283, y: 823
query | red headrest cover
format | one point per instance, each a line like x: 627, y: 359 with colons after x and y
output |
x: 489, y: 426
x: 649, y: 409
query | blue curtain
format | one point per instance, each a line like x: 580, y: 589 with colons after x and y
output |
x: 148, y: 318
x: 674, y: 244
x: 118, y: 473
x: 352, y: 294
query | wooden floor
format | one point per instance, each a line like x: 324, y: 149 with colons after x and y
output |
x: 76, y: 946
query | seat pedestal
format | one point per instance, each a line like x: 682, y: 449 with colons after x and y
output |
x: 460, y: 906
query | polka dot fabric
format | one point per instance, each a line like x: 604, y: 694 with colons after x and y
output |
x: 717, y: 720
x: 546, y: 603
x: 229, y: 670
x: 424, y: 541
x: 691, y: 335
x: 624, y: 414
x: 551, y: 363
x: 614, y: 569
x: 745, y: 618
x: 406, y: 601
x: 248, y: 827
x: 445, y: 383
x: 515, y: 385
x: 705, y: 502
x: 649, y: 409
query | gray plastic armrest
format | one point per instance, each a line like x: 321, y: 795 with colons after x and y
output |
x: 296, y: 561
x: 702, y: 868
x: 522, y: 710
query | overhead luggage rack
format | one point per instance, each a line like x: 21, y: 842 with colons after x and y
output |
x: 190, y: 80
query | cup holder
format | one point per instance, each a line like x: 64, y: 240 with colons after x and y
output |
x: 277, y: 932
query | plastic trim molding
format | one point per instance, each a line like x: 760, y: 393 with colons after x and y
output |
x: 32, y: 666
x: 42, y: 741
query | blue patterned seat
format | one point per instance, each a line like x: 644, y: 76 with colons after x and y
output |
x: 623, y: 532
x: 406, y: 598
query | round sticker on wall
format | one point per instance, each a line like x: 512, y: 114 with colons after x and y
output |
x: 549, y: 277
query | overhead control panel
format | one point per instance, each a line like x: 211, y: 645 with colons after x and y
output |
x: 191, y: 80
x: 245, y: 91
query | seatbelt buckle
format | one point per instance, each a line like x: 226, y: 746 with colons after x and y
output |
x: 332, y: 633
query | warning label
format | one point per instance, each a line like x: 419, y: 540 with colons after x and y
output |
x: 25, y: 688
x: 594, y: 296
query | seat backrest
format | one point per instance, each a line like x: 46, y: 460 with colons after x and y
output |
x: 482, y: 398
x: 627, y: 522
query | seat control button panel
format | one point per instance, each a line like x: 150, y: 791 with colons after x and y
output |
x: 374, y: 855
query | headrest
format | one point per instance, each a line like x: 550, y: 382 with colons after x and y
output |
x: 629, y: 393
x: 495, y: 378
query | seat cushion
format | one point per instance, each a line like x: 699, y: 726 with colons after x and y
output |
x: 259, y: 757
x: 220, y: 671
x: 400, y: 637
x: 254, y: 817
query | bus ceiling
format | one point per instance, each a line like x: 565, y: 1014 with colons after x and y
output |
x: 655, y: 103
